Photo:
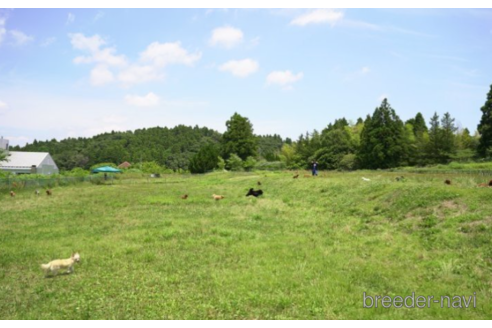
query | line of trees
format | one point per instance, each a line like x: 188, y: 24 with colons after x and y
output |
x: 380, y: 141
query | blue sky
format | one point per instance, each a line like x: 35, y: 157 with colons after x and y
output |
x: 80, y: 72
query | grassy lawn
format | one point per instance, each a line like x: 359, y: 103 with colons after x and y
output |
x: 307, y: 249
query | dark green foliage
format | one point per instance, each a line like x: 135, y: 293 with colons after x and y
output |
x: 269, y: 147
x: 205, y: 160
x: 418, y: 124
x: 171, y: 148
x: 485, y: 127
x: 442, y: 140
x: 382, y: 140
x: 336, y: 143
x: 239, y: 138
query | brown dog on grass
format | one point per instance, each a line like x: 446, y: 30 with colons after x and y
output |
x: 217, y: 197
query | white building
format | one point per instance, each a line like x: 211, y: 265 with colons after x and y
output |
x: 23, y: 162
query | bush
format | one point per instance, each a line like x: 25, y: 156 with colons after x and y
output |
x: 270, y: 166
x: 348, y: 162
x: 151, y: 167
x: 235, y: 163
x: 249, y: 163
x: 221, y: 164
x: 76, y: 172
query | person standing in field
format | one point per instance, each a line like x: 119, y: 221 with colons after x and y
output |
x: 315, y: 168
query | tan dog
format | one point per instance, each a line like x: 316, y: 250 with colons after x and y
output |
x: 12, y: 194
x: 217, y: 197
x: 185, y: 196
x: 48, y: 192
x: 56, y: 265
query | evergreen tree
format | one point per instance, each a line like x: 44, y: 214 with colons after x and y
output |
x: 448, y: 138
x: 382, y: 139
x: 484, y: 148
x: 239, y: 138
x: 434, y: 145
x: 205, y: 160
x: 419, y: 127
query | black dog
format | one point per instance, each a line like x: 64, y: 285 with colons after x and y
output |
x: 255, y: 193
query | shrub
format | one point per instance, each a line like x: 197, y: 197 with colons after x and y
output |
x: 249, y: 163
x: 348, y: 162
x: 270, y: 166
x: 221, y: 164
x: 235, y: 163
x: 151, y: 167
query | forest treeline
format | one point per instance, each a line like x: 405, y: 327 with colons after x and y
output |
x: 378, y: 141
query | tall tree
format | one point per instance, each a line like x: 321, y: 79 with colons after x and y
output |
x: 239, y: 138
x: 448, y: 138
x: 382, y: 140
x: 485, y: 127
x: 434, y: 144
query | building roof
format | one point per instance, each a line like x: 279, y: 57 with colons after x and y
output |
x: 124, y: 165
x: 23, y: 159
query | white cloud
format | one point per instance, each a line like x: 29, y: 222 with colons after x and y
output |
x: 149, y: 67
x: 240, y: 68
x: 283, y: 78
x: 149, y: 100
x: 3, y: 107
x: 139, y: 74
x: 318, y: 16
x: 163, y: 54
x: 70, y: 19
x: 81, y: 42
x: 20, y: 38
x: 104, y: 56
x: 17, y: 37
x: 48, y: 41
x: 365, y: 70
x: 226, y: 36
x: 3, y: 30
x: 101, y: 75
x: 99, y: 55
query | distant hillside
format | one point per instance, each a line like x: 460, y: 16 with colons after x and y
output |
x: 171, y: 147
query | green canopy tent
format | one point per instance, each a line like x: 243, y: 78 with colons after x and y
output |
x: 106, y: 169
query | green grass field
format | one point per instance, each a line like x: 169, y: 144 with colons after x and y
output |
x: 307, y: 249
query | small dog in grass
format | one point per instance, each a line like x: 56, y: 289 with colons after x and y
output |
x: 49, y: 192
x: 36, y: 192
x: 185, y: 196
x: 447, y: 181
x: 255, y: 193
x: 56, y: 265
x: 486, y: 184
x: 217, y: 197
x: 12, y: 193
